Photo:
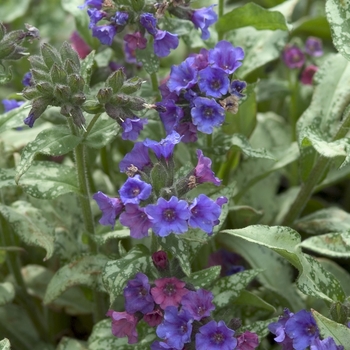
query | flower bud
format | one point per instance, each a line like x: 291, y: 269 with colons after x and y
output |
x: 30, y: 93
x: 104, y: 95
x: 38, y: 63
x: 46, y: 89
x: 70, y: 67
x: 116, y: 80
x: 339, y: 312
x: 38, y: 108
x: 50, y: 55
x: 40, y: 75
x: 131, y: 86
x: 92, y: 107
x: 78, y: 99
x: 160, y: 260
x: 62, y: 93
x: 68, y: 53
x: 76, y: 83
x: 58, y: 75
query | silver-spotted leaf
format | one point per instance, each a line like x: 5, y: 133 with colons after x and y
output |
x: 7, y: 293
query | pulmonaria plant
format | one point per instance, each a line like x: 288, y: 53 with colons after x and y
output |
x: 181, y: 314
x: 158, y: 204
x: 201, y: 90
x: 109, y: 19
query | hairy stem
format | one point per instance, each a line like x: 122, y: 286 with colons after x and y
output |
x: 155, y: 85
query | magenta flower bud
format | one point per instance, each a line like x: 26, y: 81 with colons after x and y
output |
x: 160, y: 260
x: 308, y: 74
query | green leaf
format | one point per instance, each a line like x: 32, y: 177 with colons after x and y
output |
x: 150, y: 62
x: 243, y: 215
x: 335, y: 245
x: 71, y: 344
x: 179, y: 249
x: 84, y: 271
x: 102, y: 133
x: 249, y: 299
x: 327, y: 220
x: 259, y: 327
x: 5, y: 344
x: 241, y: 142
x: 102, y: 338
x: 313, y: 280
x: 14, y: 118
x: 5, y: 75
x: 337, y: 16
x: 312, y: 26
x: 48, y: 180
x: 227, y: 289
x: 102, y: 239
x: 251, y: 15
x: 54, y: 142
x: 30, y: 225
x: 10, y: 10
x: 329, y: 328
x: 7, y: 293
x: 117, y: 272
x: 86, y: 68
x: 204, y: 278
x: 7, y: 178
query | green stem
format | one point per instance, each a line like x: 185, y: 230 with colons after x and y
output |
x: 155, y: 85
x: 220, y: 14
x: 315, y: 175
x: 81, y: 168
x: 14, y: 267
x: 91, y: 125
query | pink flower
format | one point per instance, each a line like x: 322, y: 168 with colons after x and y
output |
x: 154, y: 318
x: 308, y: 74
x: 247, y: 341
x: 79, y: 45
x: 123, y: 325
x: 168, y: 292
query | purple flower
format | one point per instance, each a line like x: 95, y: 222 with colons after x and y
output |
x: 203, y: 18
x: 121, y: 18
x: 302, y: 329
x: 105, y: 33
x: 135, y: 41
x: 92, y: 3
x: 293, y: 57
x: 110, y: 207
x: 27, y: 79
x: 203, y: 170
x: 164, y: 42
x: 226, y: 57
x: 207, y: 114
x: 79, y: 45
x: 215, y: 336
x: 154, y: 318
x: 149, y: 22
x: 134, y: 190
x: 198, y: 304
x: 205, y: 213
x: 159, y: 345
x: 11, y: 104
x: 247, y: 341
x: 308, y: 74
x: 213, y: 82
x: 176, y: 328
x: 138, y: 157
x: 278, y: 329
x: 132, y: 128
x: 201, y: 59
x: 170, y: 117
x: 95, y: 16
x: 188, y: 131
x: 165, y: 147
x: 313, y: 46
x: 123, y: 325
x: 183, y: 76
x: 237, y: 87
x: 135, y: 218
x: 137, y: 295
x: 168, y: 216
x: 325, y: 344
x: 130, y: 55
x: 30, y: 120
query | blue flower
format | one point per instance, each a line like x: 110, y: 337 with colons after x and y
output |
x: 164, y: 42
x: 183, y: 76
x: 213, y: 82
x: 176, y: 328
x: 149, y: 22
x: 134, y: 190
x: 237, y: 87
x: 105, y: 33
x: 168, y: 216
x: 278, y: 329
x: 135, y: 218
x: 137, y: 295
x: 138, y: 157
x: 205, y: 213
x: 95, y: 16
x: 207, y: 114
x: 226, y: 57
x: 11, y: 104
x: 159, y: 345
x: 198, y: 304
x: 313, y: 46
x: 215, y: 336
x: 92, y: 3
x: 27, y: 79
x: 30, y: 120
x: 132, y: 128
x: 110, y: 207
x: 165, y: 147
x: 172, y: 114
x: 121, y: 18
x: 325, y: 344
x: 203, y: 18
x: 302, y: 329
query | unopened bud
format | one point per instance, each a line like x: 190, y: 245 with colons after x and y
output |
x: 116, y: 80
x: 58, y: 75
x: 160, y: 260
x: 230, y: 104
x: 339, y: 312
x: 62, y: 93
x: 104, y: 95
x: 131, y: 86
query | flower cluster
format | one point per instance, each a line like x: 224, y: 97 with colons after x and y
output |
x: 181, y: 313
x: 298, y: 331
x: 200, y: 90
x: 294, y: 57
x: 116, y: 18
x: 150, y: 197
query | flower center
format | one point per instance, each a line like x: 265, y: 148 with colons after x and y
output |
x: 169, y: 215
x: 216, y: 84
x: 135, y: 191
x: 142, y: 292
x: 169, y: 289
x: 208, y: 112
x: 218, y: 338
x: 183, y: 328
